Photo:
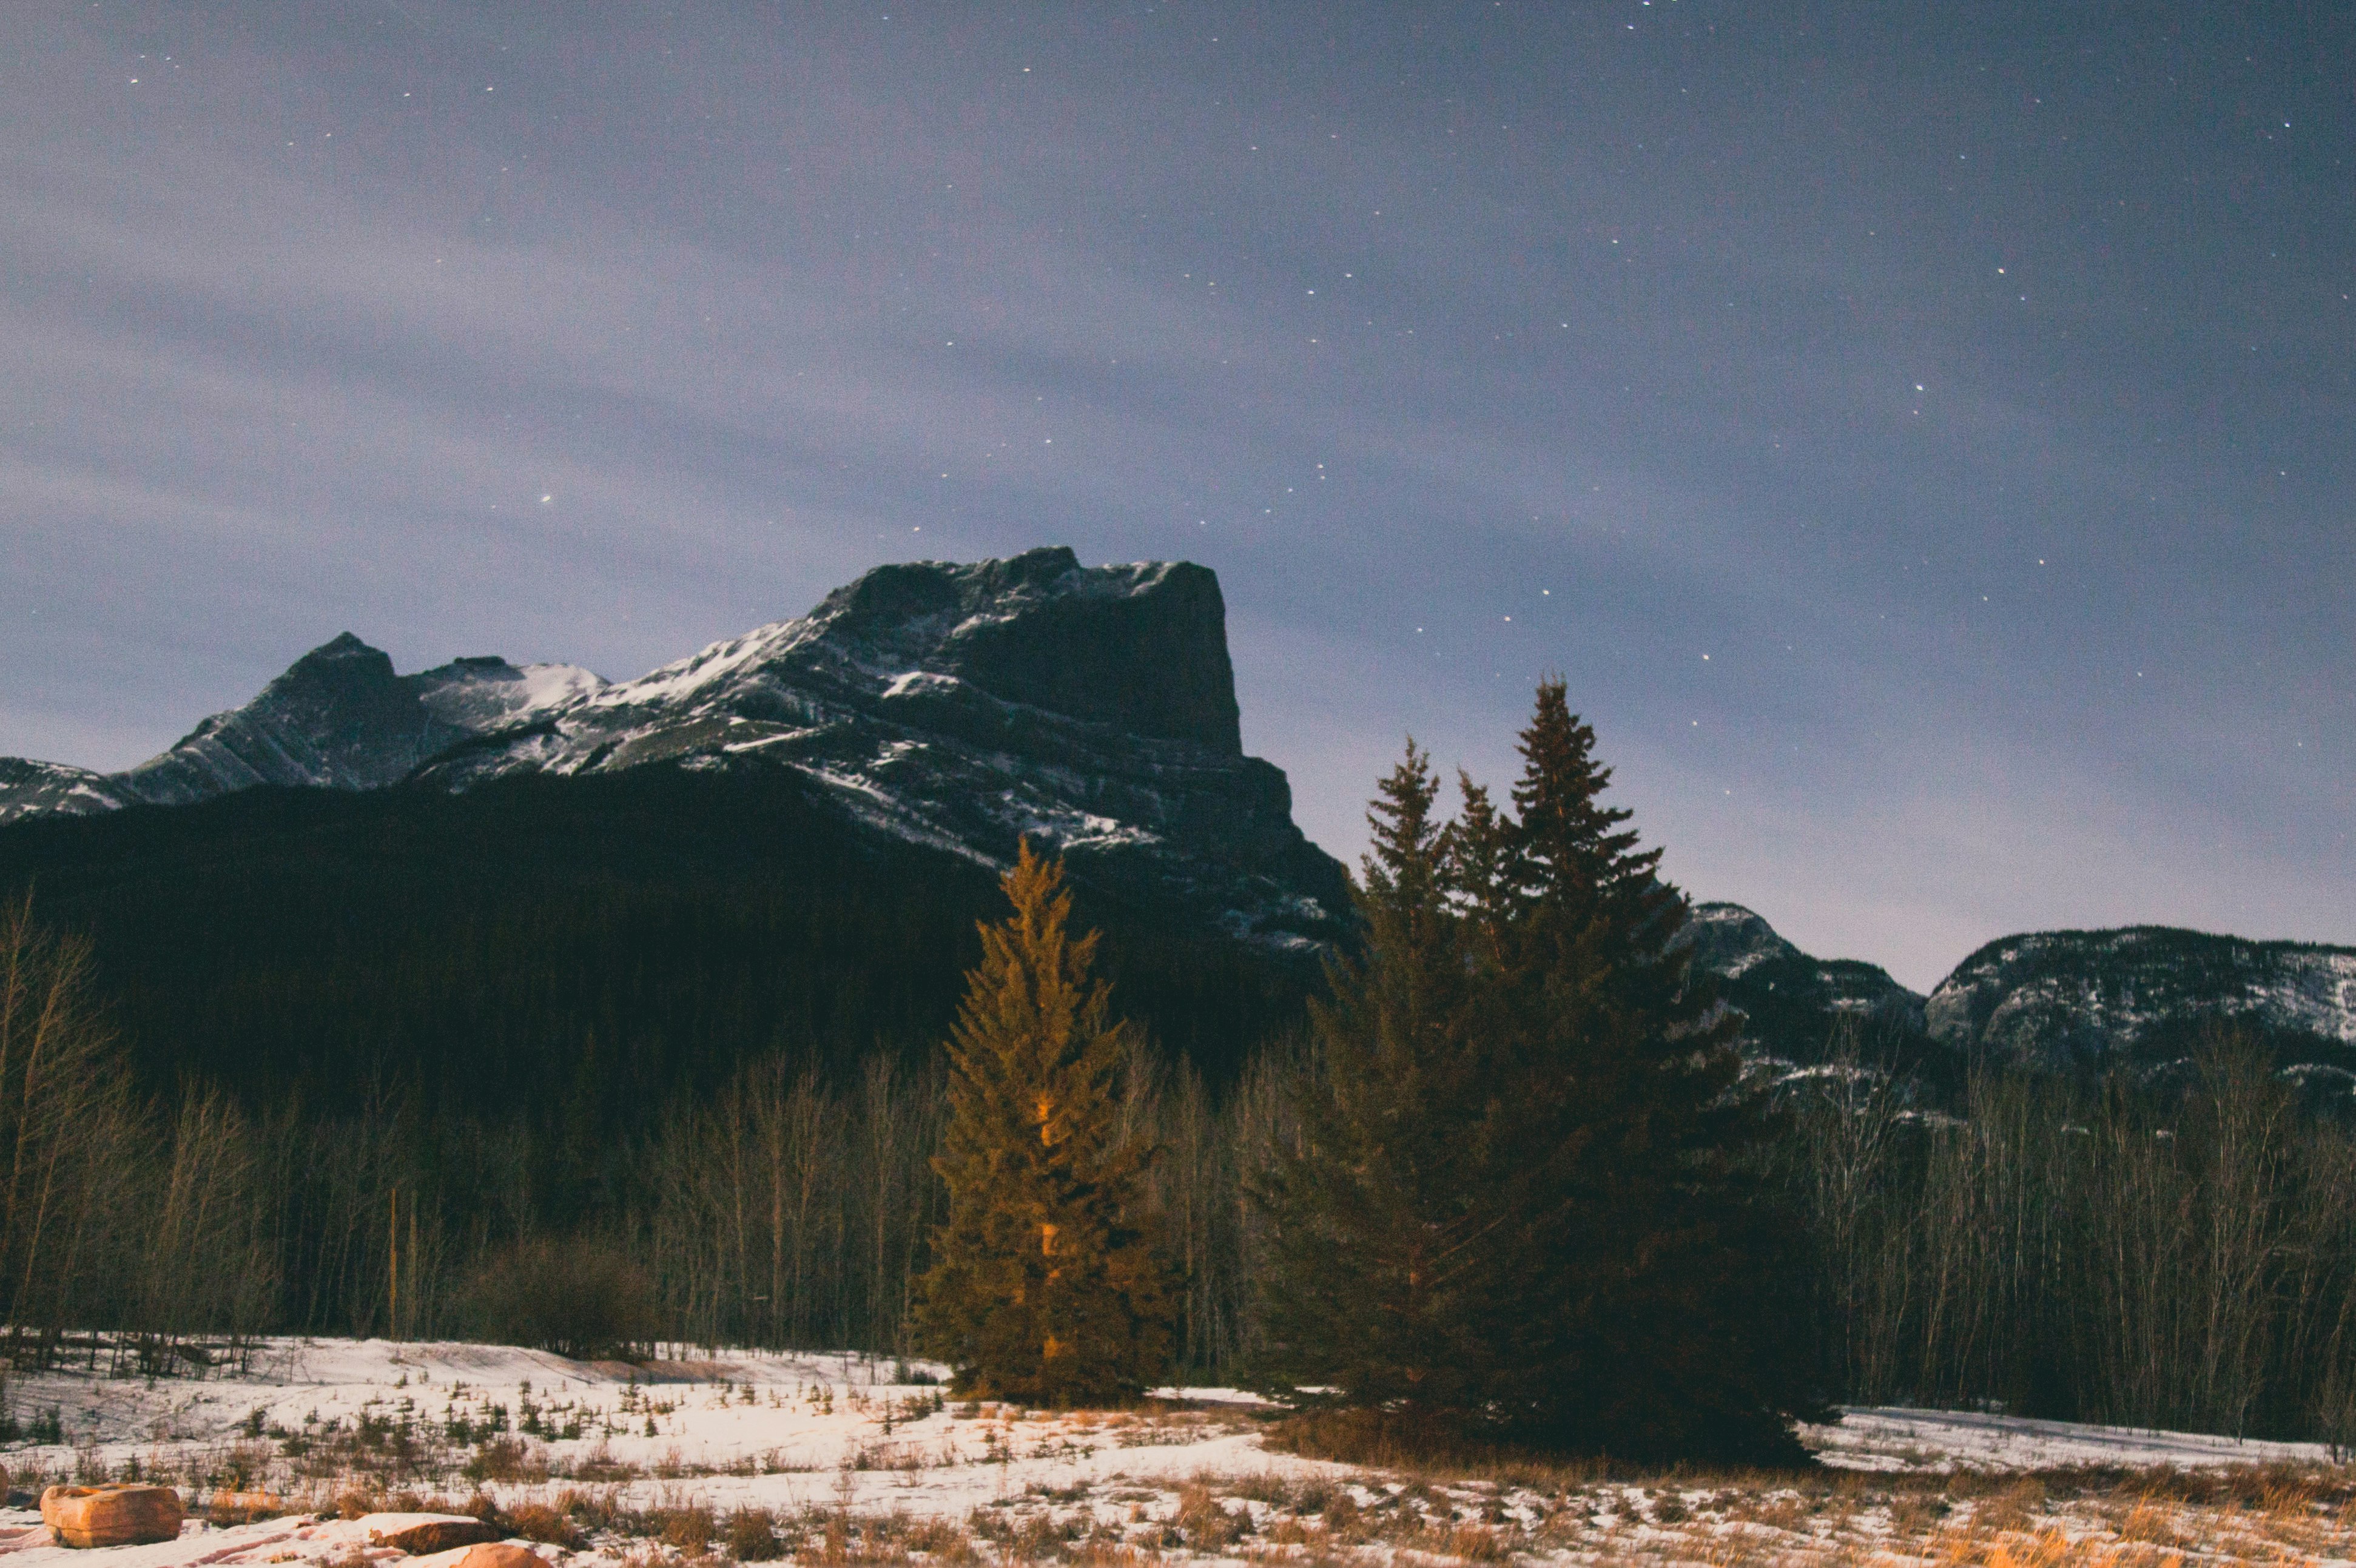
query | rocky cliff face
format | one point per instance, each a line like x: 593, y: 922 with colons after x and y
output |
x: 968, y: 705
x: 960, y: 706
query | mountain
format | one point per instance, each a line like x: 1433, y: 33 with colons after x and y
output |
x: 339, y: 719
x: 2062, y: 1001
x: 493, y: 894
x: 2142, y: 994
x: 30, y: 788
x: 948, y: 709
x: 1793, y: 1006
x: 967, y: 707
x: 959, y: 707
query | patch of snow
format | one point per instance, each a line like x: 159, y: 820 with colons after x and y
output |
x: 740, y: 746
x: 921, y: 683
x: 1897, y: 1438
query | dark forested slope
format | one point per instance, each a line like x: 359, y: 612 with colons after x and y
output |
x: 591, y: 946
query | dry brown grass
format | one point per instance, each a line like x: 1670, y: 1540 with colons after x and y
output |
x: 2108, y: 1518
x: 690, y: 1527
x: 1385, y: 1441
x: 752, y: 1536
x: 549, y: 1522
x: 1417, y: 1500
x: 1432, y: 1519
x: 941, y: 1540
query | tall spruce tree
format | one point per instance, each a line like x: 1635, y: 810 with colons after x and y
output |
x: 1530, y: 1202
x: 1657, y: 1310
x: 1382, y: 1217
x: 1046, y: 1283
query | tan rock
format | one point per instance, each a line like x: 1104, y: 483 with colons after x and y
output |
x: 502, y: 1554
x: 420, y: 1533
x: 242, y: 1508
x: 111, y: 1516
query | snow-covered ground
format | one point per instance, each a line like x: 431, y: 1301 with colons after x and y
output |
x: 791, y: 1434
x: 1896, y: 1439
x: 328, y: 1426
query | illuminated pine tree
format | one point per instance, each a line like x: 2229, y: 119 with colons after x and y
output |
x: 1046, y: 1285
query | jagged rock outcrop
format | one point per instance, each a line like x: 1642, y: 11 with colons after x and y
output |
x: 338, y: 719
x: 1728, y: 940
x: 967, y: 705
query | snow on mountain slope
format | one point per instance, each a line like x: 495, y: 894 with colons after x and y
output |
x: 30, y: 789
x: 2064, y: 997
x: 338, y: 718
x: 968, y: 705
x: 472, y: 695
x: 1793, y: 1003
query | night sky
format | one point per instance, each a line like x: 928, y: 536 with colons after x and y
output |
x: 1922, y: 436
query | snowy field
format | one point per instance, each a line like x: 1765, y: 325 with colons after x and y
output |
x: 840, y: 1459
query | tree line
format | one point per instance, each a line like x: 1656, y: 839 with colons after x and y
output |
x: 1510, y: 1133
x: 791, y: 1206
x: 2182, y: 1256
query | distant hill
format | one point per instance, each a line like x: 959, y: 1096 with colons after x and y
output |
x: 2061, y: 1000
x: 1798, y: 1009
x: 2141, y: 996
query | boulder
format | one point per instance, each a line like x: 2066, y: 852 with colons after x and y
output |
x: 111, y: 1516
x: 420, y: 1533
x: 502, y: 1554
x: 243, y: 1508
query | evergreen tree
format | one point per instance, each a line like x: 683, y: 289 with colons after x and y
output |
x: 1529, y: 1200
x: 1046, y: 1283
x: 1381, y: 1219
x: 1657, y: 1307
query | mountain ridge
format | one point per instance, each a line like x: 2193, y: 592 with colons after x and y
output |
x: 337, y: 719
x: 959, y: 706
x: 2137, y: 997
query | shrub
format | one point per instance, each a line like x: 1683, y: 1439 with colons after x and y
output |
x: 506, y: 1459
x: 752, y: 1536
x: 689, y: 1529
x: 583, y: 1298
x: 1204, y: 1524
x: 538, y: 1521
